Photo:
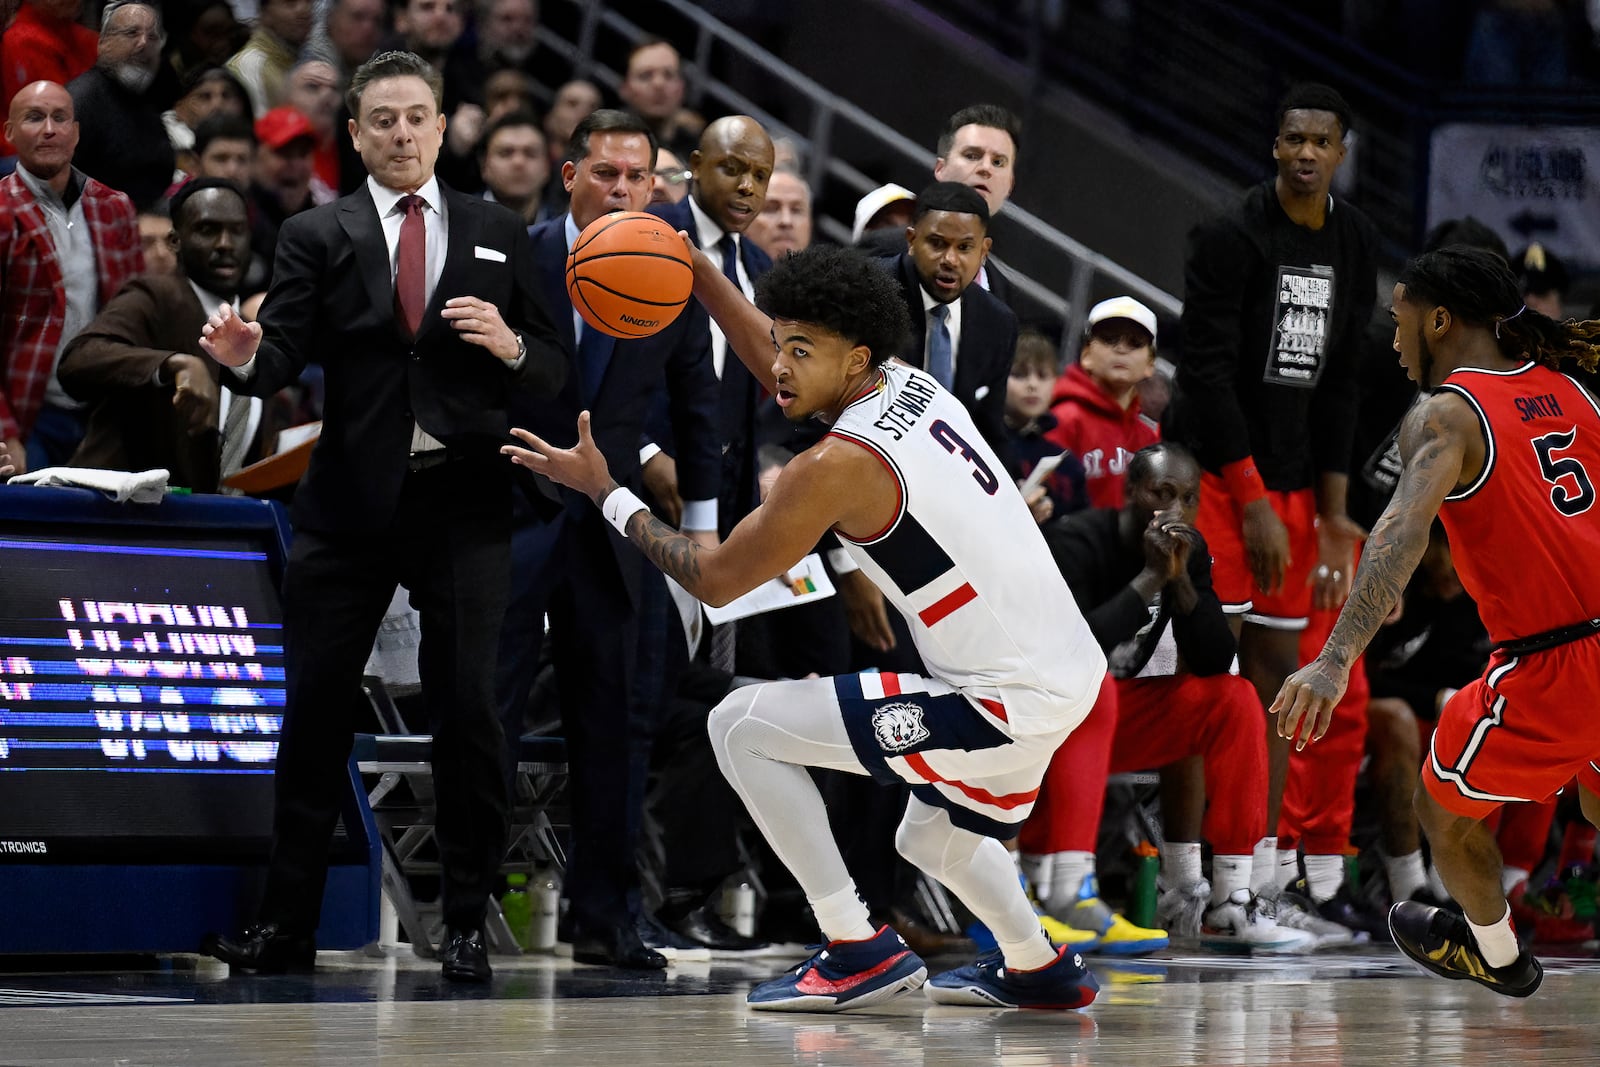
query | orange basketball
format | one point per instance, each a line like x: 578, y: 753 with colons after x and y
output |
x: 629, y: 274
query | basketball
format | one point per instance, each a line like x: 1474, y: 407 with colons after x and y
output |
x: 629, y: 274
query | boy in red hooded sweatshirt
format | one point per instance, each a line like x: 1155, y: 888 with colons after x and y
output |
x: 1096, y: 402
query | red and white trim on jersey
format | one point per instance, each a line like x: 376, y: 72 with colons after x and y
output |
x: 899, y: 487
x: 1488, y: 443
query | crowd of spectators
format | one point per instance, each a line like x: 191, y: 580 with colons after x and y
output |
x: 1207, y: 522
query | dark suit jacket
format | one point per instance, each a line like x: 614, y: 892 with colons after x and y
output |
x: 983, y: 358
x: 332, y: 301
x: 739, y: 391
x: 112, y: 365
x: 679, y: 357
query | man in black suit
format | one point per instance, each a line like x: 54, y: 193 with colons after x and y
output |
x: 421, y: 305
x: 728, y: 189
x: 602, y: 598
x: 961, y: 334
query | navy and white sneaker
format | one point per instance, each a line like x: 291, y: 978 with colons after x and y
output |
x: 1061, y: 985
x: 845, y: 974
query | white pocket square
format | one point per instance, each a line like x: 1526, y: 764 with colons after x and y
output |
x: 983, y: 391
x: 489, y: 254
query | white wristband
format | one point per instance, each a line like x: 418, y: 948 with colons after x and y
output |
x: 843, y: 562
x: 619, y: 506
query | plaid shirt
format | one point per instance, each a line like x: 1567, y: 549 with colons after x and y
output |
x: 33, y: 301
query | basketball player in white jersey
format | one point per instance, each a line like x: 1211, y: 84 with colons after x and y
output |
x: 928, y: 512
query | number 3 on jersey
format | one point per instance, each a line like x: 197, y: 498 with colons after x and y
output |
x: 956, y: 445
x: 1572, y: 492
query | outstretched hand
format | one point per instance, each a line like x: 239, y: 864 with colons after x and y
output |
x: 581, y: 467
x: 228, y: 339
x: 1305, y: 704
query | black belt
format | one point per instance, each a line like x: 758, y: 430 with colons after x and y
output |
x: 1550, y: 638
x: 421, y: 461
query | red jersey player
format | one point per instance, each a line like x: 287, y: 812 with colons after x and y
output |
x: 1506, y: 451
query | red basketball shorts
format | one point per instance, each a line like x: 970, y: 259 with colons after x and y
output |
x: 1519, y: 733
x: 1220, y: 522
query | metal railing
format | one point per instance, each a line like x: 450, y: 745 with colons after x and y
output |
x: 830, y: 122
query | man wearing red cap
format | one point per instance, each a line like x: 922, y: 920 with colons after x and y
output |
x: 284, y: 170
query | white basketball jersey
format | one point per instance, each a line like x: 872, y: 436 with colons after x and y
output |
x: 964, y: 562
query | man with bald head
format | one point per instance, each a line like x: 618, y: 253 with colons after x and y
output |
x: 728, y: 188
x: 67, y: 243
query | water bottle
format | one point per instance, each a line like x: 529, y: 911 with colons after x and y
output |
x: 517, y: 906
x: 545, y: 898
x: 1142, y: 909
x: 739, y: 908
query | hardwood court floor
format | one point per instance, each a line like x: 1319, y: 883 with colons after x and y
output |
x: 1349, y: 1009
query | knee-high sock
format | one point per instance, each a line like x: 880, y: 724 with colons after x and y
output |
x: 980, y: 871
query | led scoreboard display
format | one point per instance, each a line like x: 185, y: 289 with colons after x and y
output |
x: 141, y: 692
x: 141, y: 701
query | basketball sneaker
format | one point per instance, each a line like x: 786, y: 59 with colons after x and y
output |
x: 1246, y: 923
x: 1062, y: 984
x: 1117, y: 936
x: 844, y: 974
x: 1441, y: 941
x: 1290, y: 909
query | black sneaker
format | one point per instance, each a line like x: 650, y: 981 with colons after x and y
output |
x: 1347, y: 909
x: 1442, y: 942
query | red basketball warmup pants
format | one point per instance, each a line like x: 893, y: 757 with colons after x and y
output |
x: 1319, y: 798
x: 1140, y: 724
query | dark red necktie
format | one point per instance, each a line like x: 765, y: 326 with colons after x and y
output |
x: 410, y: 276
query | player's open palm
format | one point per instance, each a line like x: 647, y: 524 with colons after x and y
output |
x: 581, y: 467
x: 1305, y: 704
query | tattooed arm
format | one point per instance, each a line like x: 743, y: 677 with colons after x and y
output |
x: 1442, y: 445
x: 831, y: 483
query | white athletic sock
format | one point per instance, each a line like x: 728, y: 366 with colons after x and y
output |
x: 1067, y: 872
x: 1287, y: 867
x: 1180, y: 863
x: 842, y: 916
x: 1510, y: 876
x: 1323, y: 875
x: 1029, y: 954
x: 1406, y: 874
x: 1039, y: 871
x: 1497, y: 942
x: 1229, y: 873
x: 1264, y: 864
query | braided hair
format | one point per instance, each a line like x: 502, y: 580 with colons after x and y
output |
x: 1480, y: 290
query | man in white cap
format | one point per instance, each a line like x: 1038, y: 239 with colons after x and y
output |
x: 888, y: 208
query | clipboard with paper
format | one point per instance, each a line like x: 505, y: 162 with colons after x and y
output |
x: 807, y: 581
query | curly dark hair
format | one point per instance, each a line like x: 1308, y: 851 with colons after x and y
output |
x: 841, y: 290
x: 1480, y: 289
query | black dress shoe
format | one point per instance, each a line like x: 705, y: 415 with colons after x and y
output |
x: 264, y: 947
x: 705, y: 927
x: 464, y: 957
x: 617, y: 947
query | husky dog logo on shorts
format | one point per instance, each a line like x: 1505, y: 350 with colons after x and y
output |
x: 898, y: 727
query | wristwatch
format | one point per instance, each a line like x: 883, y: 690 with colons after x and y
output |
x: 522, y: 346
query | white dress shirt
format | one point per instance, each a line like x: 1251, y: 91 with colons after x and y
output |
x: 709, y: 236
x: 435, y: 222
x: 226, y: 398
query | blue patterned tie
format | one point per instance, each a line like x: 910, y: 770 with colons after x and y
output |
x: 941, y: 363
